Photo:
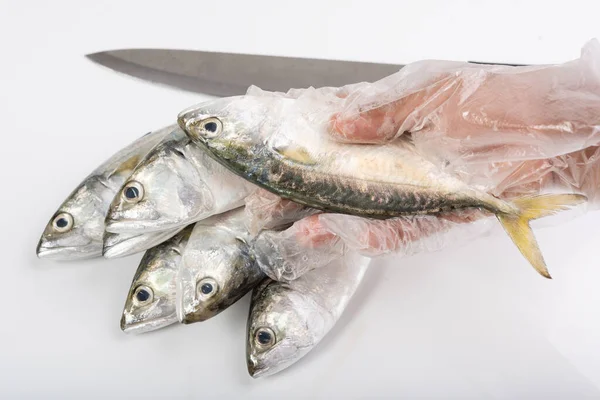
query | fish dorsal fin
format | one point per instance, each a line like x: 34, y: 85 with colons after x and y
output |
x: 296, y: 154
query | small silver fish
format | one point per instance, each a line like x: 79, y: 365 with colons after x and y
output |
x: 218, y: 268
x: 125, y: 244
x: 176, y: 184
x: 76, y: 228
x: 150, y: 303
x: 276, y: 144
x: 288, y: 319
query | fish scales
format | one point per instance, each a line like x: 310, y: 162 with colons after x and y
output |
x: 304, y: 185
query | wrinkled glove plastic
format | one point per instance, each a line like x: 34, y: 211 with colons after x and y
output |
x: 467, y: 112
x: 285, y: 256
x: 318, y: 240
x: 511, y: 131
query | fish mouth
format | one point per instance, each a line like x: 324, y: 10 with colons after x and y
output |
x: 68, y: 253
x: 254, y: 369
x: 197, y: 316
x: 121, y: 245
x: 147, y: 325
x: 123, y: 248
x: 198, y: 313
x: 137, y: 226
x: 129, y: 226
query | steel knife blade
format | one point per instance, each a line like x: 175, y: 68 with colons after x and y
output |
x: 230, y: 74
x: 227, y: 74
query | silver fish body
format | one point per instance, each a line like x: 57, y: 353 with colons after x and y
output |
x: 218, y: 267
x: 282, y: 145
x: 150, y: 303
x: 75, y: 230
x: 176, y: 184
x: 288, y: 319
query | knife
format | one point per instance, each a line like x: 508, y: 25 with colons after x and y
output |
x: 228, y: 74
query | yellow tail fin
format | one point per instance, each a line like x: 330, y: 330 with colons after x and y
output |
x: 517, y: 225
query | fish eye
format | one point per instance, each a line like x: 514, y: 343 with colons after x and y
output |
x: 209, y: 127
x: 142, y: 295
x: 133, y: 192
x: 63, y: 222
x: 206, y: 288
x: 264, y: 337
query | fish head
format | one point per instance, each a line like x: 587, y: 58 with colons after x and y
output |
x: 75, y: 230
x: 282, y: 327
x: 151, y: 299
x: 166, y: 190
x: 232, y: 128
x: 124, y: 244
x: 217, y: 271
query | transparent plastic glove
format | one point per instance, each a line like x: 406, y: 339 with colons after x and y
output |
x: 520, y: 149
x: 578, y: 172
x: 317, y: 240
x: 341, y: 92
x: 289, y: 254
x: 509, y: 130
x: 465, y: 113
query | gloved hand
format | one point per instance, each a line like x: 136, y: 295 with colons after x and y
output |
x: 511, y: 131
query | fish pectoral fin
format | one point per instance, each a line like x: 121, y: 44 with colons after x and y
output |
x: 295, y: 153
x: 517, y: 226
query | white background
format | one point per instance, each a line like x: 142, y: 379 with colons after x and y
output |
x: 469, y: 322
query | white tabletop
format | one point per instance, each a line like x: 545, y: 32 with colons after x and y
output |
x: 468, y: 322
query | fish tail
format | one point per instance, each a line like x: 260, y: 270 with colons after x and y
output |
x: 530, y: 208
